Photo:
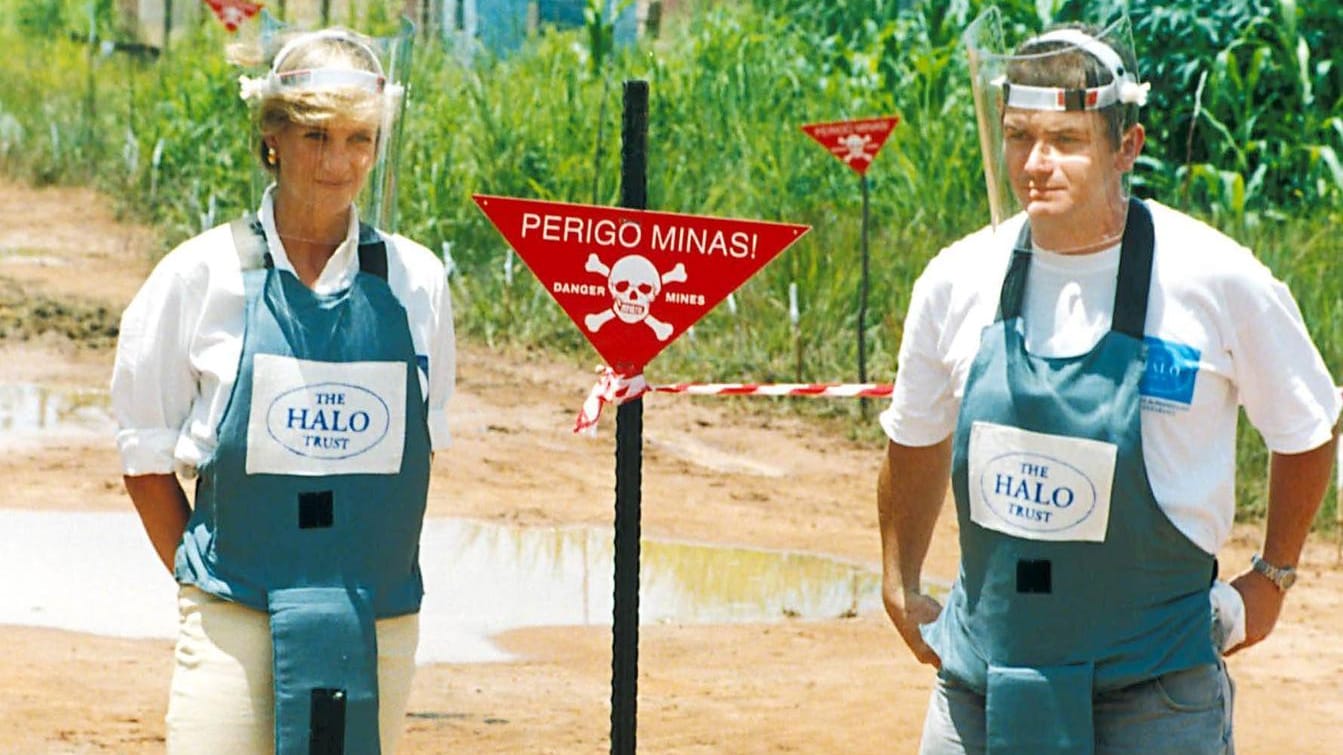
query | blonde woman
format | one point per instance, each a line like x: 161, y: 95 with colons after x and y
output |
x: 296, y: 365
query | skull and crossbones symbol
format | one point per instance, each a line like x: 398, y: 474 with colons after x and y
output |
x: 856, y: 146
x: 635, y: 284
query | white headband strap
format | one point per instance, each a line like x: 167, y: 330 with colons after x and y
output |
x: 331, y: 78
x: 1051, y: 98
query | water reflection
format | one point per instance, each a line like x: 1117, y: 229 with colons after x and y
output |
x: 534, y: 577
x: 31, y: 411
x: 94, y: 572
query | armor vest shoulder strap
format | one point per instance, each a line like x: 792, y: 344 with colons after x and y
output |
x: 372, y: 252
x: 1134, y: 279
x: 249, y: 241
x: 1135, y: 271
x: 1014, y: 282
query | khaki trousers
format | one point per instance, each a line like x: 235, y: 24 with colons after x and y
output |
x: 222, y: 701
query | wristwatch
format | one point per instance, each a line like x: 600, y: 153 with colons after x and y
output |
x: 1282, y: 576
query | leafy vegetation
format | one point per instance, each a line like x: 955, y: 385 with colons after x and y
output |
x: 1245, y: 129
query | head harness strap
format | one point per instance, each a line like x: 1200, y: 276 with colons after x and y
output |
x: 326, y: 77
x: 1098, y: 49
x: 1122, y: 88
x: 249, y: 240
x: 336, y: 34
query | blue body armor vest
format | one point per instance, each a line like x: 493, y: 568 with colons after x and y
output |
x: 310, y: 507
x: 1041, y: 616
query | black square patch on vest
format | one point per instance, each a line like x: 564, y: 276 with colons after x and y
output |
x: 315, y: 510
x: 326, y: 726
x: 1034, y: 577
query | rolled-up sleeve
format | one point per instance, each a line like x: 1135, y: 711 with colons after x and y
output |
x: 153, y: 384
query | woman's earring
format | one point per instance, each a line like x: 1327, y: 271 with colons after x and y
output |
x: 271, y: 159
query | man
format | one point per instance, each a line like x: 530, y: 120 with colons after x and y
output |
x: 1076, y: 371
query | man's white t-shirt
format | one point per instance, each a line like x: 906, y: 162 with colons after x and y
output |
x: 1222, y: 333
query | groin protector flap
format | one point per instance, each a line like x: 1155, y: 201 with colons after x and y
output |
x: 326, y: 671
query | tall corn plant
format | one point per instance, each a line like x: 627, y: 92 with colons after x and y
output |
x: 1247, y: 104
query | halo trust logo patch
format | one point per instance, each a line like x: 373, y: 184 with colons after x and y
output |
x: 1037, y: 492
x: 328, y: 420
x: 1172, y: 372
x: 1040, y: 486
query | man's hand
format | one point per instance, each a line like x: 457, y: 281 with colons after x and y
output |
x: 910, y: 489
x: 1263, y: 603
x: 908, y: 609
x: 1296, y: 486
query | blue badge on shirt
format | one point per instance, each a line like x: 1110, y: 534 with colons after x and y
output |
x: 423, y: 361
x: 1172, y: 369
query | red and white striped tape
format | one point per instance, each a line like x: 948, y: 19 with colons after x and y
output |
x: 822, y: 390
x: 614, y: 388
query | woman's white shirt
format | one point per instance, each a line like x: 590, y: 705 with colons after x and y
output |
x: 1227, y: 333
x: 181, y: 341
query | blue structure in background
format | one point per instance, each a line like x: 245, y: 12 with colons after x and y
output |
x: 500, y: 26
x: 569, y: 13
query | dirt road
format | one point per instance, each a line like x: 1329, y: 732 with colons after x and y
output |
x: 713, y: 473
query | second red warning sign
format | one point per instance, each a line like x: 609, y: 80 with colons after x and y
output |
x: 854, y: 143
x: 634, y: 280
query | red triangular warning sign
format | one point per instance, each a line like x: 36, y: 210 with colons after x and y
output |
x: 854, y: 143
x: 233, y: 13
x: 634, y: 280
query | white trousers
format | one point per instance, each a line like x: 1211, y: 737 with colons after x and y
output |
x: 222, y: 699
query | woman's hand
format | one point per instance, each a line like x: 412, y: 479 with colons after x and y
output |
x: 163, y: 509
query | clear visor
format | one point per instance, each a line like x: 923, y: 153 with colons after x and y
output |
x: 1054, y: 115
x: 329, y: 108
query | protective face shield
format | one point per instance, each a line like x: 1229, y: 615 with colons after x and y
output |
x: 1054, y: 117
x: 330, y: 113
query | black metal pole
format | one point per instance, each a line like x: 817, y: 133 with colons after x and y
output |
x: 629, y: 462
x: 862, y: 302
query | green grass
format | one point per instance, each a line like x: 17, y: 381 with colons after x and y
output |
x: 730, y: 87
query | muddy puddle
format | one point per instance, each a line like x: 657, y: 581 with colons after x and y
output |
x: 95, y: 573
x: 36, y: 413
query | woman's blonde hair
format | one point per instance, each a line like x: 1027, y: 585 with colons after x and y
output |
x: 332, y: 49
